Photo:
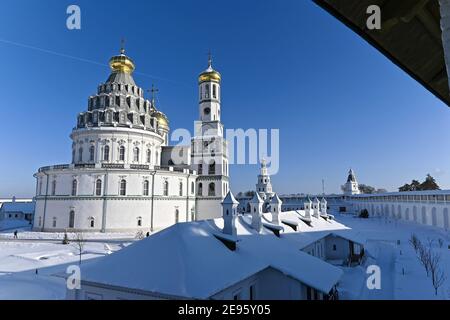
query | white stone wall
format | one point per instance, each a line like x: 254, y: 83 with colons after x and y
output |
x: 433, y: 214
x: 112, y: 211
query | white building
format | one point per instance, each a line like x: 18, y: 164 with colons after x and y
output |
x: 264, y: 185
x: 124, y: 176
x: 16, y: 209
x: 245, y: 259
x: 351, y: 186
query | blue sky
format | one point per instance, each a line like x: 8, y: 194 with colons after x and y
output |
x: 285, y: 64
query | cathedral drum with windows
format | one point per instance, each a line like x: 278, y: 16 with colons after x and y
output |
x: 123, y: 176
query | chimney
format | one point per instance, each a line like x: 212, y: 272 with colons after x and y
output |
x: 256, y: 211
x: 323, y: 207
x: 275, y: 208
x: 316, y: 204
x: 229, y: 213
x: 308, y: 205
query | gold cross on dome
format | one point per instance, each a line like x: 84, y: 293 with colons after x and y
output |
x: 153, y: 92
x: 209, y: 58
x: 122, y: 46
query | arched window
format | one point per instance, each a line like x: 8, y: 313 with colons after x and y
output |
x: 54, y: 222
x: 72, y: 219
x: 98, y: 187
x: 200, y: 189
x: 40, y: 221
x: 192, y: 187
x: 192, y: 214
x: 145, y: 191
x: 207, y: 91
x: 122, y: 153
x: 92, y: 222
x: 53, y: 187
x: 200, y: 168
x: 74, y: 187
x: 149, y: 155
x: 106, y: 153
x: 80, y: 155
x: 157, y: 158
x: 73, y: 155
x: 212, y: 168
x: 139, y: 221
x: 91, y: 153
x: 166, y: 188
x: 177, y: 215
x: 123, y: 187
x: 212, y: 189
x: 136, y: 154
x: 181, y: 189
x: 214, y: 91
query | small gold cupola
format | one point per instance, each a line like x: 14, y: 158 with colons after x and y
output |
x: 122, y: 63
x: 163, y: 122
x: 209, y: 74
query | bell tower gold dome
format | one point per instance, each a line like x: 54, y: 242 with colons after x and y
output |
x: 122, y: 63
x: 209, y: 74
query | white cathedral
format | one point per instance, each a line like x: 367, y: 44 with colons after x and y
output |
x: 124, y: 176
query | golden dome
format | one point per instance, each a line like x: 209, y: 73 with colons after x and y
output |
x: 163, y: 122
x: 121, y: 63
x: 209, y: 74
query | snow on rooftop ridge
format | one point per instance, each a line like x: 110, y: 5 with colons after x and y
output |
x: 230, y: 199
x: 256, y: 198
x: 275, y: 199
x: 173, y: 261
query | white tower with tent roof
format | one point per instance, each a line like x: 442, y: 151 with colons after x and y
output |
x: 275, y: 208
x: 351, y: 186
x: 308, y: 206
x: 256, y: 204
x: 323, y: 206
x: 316, y: 205
x: 229, y: 213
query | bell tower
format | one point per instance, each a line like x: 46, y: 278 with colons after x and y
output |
x: 209, y: 148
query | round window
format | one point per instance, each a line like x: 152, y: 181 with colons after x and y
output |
x: 207, y: 111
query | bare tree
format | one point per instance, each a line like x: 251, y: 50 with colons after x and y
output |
x: 437, y: 274
x: 79, y: 243
x: 415, y: 242
x: 424, y: 255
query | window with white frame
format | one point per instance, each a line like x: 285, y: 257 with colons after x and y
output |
x: 146, y: 188
x: 74, y: 187
x: 123, y: 187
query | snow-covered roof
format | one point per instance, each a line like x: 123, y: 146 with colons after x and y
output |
x: 187, y: 260
x: 256, y: 198
x: 13, y: 206
x: 275, y: 199
x: 317, y: 229
x: 230, y: 199
x: 405, y: 193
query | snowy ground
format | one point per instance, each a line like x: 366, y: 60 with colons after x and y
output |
x: 14, y: 224
x: 402, y: 275
x: 20, y: 259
